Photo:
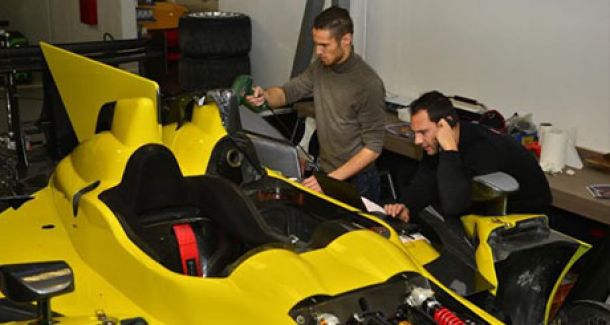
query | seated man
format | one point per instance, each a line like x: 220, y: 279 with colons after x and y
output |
x: 455, y: 152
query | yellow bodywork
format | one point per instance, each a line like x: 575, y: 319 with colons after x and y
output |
x: 193, y: 142
x: 482, y: 227
x: 86, y: 85
x: 113, y: 275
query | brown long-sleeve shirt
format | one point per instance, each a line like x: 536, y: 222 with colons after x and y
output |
x: 349, y: 103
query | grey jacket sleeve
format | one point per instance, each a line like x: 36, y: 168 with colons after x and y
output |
x: 300, y: 86
x: 371, y: 115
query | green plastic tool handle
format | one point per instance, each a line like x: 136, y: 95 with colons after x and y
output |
x: 243, y: 87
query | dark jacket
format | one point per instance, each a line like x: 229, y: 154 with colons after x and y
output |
x: 445, y: 180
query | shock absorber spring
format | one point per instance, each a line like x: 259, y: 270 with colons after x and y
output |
x: 444, y: 316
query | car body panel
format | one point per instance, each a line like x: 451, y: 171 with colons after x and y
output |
x: 113, y: 274
x: 192, y: 143
x: 82, y: 104
x: 482, y: 228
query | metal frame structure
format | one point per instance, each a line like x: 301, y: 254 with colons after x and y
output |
x: 29, y: 59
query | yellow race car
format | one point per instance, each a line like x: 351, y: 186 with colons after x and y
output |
x: 183, y: 224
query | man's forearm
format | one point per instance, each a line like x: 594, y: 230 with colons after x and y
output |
x: 275, y: 96
x: 353, y: 166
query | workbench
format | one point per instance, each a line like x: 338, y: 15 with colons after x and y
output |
x: 398, y: 144
x: 570, y: 194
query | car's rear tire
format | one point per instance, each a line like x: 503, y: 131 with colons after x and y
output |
x: 205, y: 74
x: 215, y: 34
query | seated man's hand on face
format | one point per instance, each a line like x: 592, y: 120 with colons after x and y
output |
x: 312, y: 183
x: 446, y: 136
x: 397, y: 210
x: 258, y: 96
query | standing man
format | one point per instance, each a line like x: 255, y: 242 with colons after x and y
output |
x: 455, y: 152
x: 349, y: 104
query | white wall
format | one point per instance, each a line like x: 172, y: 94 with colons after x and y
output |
x: 58, y: 21
x: 548, y: 57
x: 198, y: 5
x: 30, y: 17
x: 275, y: 33
x: 117, y: 17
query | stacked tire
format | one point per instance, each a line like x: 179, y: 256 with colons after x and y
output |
x: 215, y: 49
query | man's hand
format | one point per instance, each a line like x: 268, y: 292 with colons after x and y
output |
x: 258, y: 96
x: 312, y: 183
x: 446, y: 136
x: 397, y: 210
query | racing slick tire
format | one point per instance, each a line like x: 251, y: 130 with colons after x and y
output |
x: 206, y: 74
x: 215, y: 34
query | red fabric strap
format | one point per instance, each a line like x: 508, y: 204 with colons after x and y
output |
x: 189, y: 251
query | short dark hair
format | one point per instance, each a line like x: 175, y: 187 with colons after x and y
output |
x: 336, y: 20
x: 436, y: 104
